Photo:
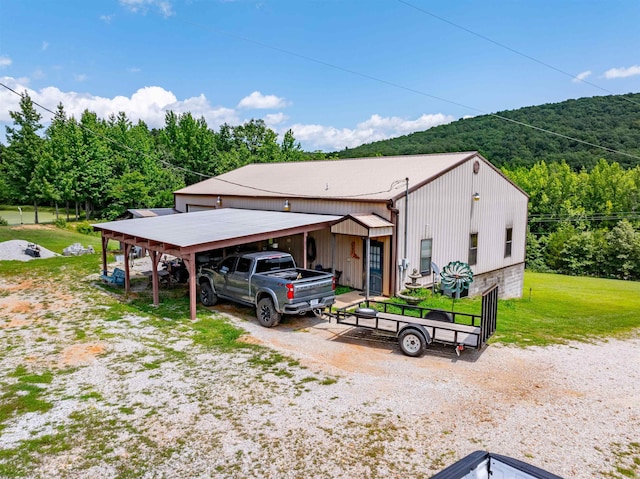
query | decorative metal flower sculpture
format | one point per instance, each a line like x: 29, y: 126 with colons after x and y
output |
x: 456, y: 277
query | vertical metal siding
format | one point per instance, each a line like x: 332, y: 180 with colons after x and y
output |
x: 298, y: 205
x: 445, y: 211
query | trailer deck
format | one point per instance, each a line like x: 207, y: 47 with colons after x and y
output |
x: 417, y: 327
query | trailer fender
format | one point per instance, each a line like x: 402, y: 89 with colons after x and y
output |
x: 413, y: 339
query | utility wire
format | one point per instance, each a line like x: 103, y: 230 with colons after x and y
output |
x: 111, y: 140
x: 403, y: 87
x: 186, y: 170
x: 513, y: 50
x: 369, y: 77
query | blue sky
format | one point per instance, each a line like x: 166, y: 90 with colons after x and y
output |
x: 339, y: 73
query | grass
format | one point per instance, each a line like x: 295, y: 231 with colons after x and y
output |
x: 556, y: 309
x: 52, y: 238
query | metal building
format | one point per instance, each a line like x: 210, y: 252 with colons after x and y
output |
x: 403, y: 212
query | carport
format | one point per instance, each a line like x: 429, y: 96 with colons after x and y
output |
x: 184, y: 235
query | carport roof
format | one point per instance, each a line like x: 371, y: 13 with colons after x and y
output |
x: 204, y: 230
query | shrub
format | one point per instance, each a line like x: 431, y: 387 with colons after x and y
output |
x: 61, y: 223
x: 84, y: 228
x: 3, y: 222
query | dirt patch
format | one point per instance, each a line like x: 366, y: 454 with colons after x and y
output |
x: 80, y: 354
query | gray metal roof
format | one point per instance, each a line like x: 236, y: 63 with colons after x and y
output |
x: 150, y: 212
x: 379, y: 178
x: 189, y: 230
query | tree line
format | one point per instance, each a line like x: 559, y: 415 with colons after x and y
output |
x: 585, y: 222
x: 581, y: 222
x: 105, y: 166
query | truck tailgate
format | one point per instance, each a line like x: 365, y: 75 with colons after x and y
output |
x: 313, y: 287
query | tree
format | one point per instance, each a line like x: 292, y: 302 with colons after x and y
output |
x: 24, y: 153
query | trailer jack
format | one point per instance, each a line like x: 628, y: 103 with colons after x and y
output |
x: 459, y: 348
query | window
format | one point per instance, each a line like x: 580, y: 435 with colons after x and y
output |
x: 473, y: 248
x: 425, y: 256
x: 244, y: 265
x: 507, y: 243
x: 227, y: 265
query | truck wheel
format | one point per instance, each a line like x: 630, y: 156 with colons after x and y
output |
x: 207, y: 296
x: 412, y: 343
x: 267, y: 314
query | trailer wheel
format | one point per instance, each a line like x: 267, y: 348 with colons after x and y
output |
x: 207, y: 296
x: 412, y: 342
x: 266, y: 313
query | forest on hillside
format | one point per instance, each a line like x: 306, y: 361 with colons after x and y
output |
x: 583, y: 219
x: 612, y: 122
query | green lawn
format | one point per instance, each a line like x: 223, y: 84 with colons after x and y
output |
x: 13, y: 216
x: 52, y: 238
x: 556, y: 309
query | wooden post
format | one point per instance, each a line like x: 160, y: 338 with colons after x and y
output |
x: 105, y: 243
x: 304, y: 250
x: 155, y: 282
x: 193, y: 297
x: 368, y: 266
x: 127, y: 275
x: 333, y: 253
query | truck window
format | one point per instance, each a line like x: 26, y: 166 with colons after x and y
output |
x: 274, y: 264
x: 227, y: 265
x: 244, y: 265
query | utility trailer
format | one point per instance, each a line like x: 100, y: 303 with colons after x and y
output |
x: 484, y: 465
x: 417, y: 327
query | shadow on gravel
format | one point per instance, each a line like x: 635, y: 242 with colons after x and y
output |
x: 389, y: 343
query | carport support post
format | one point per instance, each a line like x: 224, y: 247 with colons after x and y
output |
x: 127, y: 275
x: 191, y: 268
x: 367, y: 266
x: 105, y: 245
x: 155, y: 283
x: 304, y: 250
x: 333, y: 253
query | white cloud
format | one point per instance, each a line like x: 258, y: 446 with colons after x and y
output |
x: 45, y: 45
x: 259, y: 101
x: 622, y: 72
x: 134, y: 70
x: 80, y: 77
x: 142, y: 6
x: 275, y: 119
x: 581, y: 76
x: 106, y: 18
x: 5, y: 61
x: 148, y: 104
x: 375, y: 128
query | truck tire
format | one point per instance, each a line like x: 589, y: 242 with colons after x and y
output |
x: 267, y: 314
x: 412, y: 342
x: 207, y: 296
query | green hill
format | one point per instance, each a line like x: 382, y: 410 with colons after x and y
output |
x: 609, y: 121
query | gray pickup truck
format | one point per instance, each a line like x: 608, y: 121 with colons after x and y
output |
x: 269, y: 281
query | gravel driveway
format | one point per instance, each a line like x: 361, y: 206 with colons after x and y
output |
x: 134, y: 396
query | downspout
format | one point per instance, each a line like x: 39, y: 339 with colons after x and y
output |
x: 394, y: 247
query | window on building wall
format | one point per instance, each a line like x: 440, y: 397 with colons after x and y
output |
x: 473, y: 248
x: 425, y: 256
x: 507, y: 242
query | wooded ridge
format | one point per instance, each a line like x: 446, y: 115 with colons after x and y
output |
x: 612, y: 122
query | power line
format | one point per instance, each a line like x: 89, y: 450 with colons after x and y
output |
x: 513, y: 50
x: 111, y: 140
x: 403, y: 87
x: 186, y: 170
